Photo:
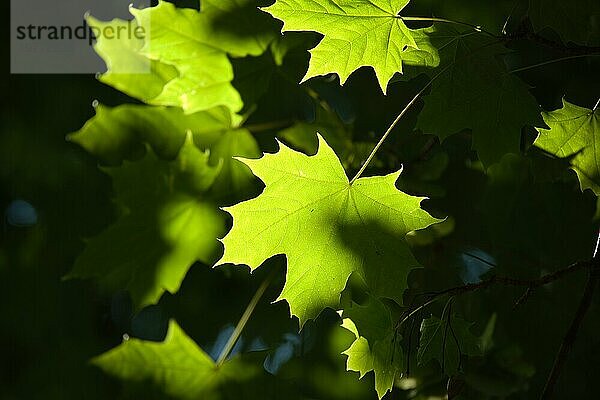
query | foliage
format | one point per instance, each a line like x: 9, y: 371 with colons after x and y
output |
x: 356, y: 34
x: 326, y: 227
x: 416, y: 221
x: 178, y: 365
x: 572, y: 129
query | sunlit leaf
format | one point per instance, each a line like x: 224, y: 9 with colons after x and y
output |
x: 326, y: 227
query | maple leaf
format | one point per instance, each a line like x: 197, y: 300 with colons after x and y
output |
x: 476, y: 92
x: 574, y: 133
x: 177, y: 365
x: 183, y: 58
x: 446, y: 341
x: 121, y: 133
x: 168, y: 172
x: 356, y: 33
x: 127, y: 69
x: 167, y: 224
x: 377, y: 346
x: 326, y: 227
x: 125, y: 132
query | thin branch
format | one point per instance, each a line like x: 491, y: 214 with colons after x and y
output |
x: 552, y: 62
x: 235, y: 335
x: 409, y: 347
x: 502, y: 281
x: 571, y: 335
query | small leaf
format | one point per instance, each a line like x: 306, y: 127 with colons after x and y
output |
x: 377, y: 346
x: 446, y: 341
x: 177, y: 365
x: 574, y: 133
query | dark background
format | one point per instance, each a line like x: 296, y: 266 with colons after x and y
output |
x: 50, y: 328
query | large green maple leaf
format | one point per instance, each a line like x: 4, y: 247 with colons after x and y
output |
x: 356, y: 33
x: 476, y: 92
x: 326, y: 227
x: 574, y: 133
x: 177, y: 366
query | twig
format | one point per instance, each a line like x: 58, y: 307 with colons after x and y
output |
x: 395, y: 122
x: 503, y: 281
x: 571, y: 335
x: 555, y: 60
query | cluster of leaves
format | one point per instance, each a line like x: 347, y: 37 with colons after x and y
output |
x: 221, y: 84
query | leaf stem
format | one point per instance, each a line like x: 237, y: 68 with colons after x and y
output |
x: 477, y: 28
x: 237, y: 332
x: 395, y: 122
x: 408, y: 106
x: 510, y: 14
x: 594, y: 110
x: 551, y: 62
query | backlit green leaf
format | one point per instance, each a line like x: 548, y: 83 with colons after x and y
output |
x: 326, y: 227
x: 356, y: 33
x: 125, y: 132
x: 177, y: 366
x: 377, y: 346
x: 574, y: 134
x: 185, y: 53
